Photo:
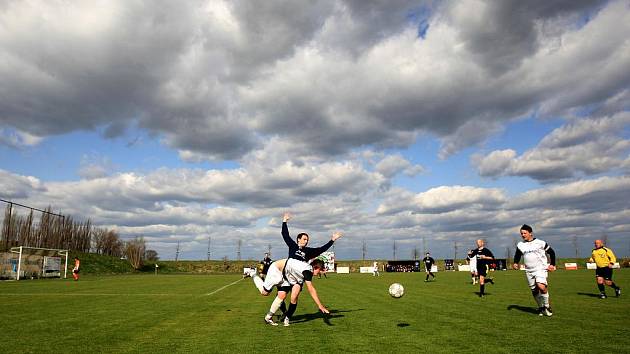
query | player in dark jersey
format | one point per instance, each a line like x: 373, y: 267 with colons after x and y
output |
x: 428, y: 264
x: 484, y: 256
x: 298, y: 250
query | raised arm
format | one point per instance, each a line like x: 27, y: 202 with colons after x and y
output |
x: 285, y: 231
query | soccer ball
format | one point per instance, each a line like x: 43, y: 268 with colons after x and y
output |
x: 396, y: 290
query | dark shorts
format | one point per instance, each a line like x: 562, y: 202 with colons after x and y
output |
x: 482, y: 270
x: 604, y: 272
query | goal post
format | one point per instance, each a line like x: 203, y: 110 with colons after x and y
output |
x: 40, y: 262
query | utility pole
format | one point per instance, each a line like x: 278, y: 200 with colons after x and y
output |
x: 238, y: 250
x: 394, y: 249
x: 455, y: 247
x: 269, y: 249
x: 209, y: 240
x: 364, y: 249
x: 177, y: 252
x: 575, y: 245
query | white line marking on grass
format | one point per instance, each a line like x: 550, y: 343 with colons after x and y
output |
x: 223, y: 287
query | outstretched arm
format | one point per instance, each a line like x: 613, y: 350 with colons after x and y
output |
x: 316, y: 251
x: 313, y: 293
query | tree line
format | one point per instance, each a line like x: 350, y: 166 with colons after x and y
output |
x: 63, y: 232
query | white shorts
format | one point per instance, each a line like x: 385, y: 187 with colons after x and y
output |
x: 274, y: 278
x: 536, y: 276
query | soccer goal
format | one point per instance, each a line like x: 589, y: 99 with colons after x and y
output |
x: 33, y: 262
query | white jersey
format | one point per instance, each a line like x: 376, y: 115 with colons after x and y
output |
x: 294, y: 271
x: 534, y: 254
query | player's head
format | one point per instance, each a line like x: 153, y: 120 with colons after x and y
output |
x: 480, y: 243
x: 527, y: 233
x: 318, y: 266
x: 599, y: 243
x: 302, y: 239
x: 428, y: 254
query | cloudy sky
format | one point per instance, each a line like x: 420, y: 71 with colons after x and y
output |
x: 419, y: 124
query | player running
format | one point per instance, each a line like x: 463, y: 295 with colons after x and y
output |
x: 605, y: 259
x: 428, y: 264
x: 483, y: 256
x: 534, y: 252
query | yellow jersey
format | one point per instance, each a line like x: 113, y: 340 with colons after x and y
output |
x: 603, y: 257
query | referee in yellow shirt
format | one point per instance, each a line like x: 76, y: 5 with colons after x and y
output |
x: 604, y: 258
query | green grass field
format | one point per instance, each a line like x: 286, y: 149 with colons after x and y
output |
x: 223, y: 313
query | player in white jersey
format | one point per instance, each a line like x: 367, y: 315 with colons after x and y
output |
x: 534, y: 253
x: 375, y: 271
x: 289, y: 275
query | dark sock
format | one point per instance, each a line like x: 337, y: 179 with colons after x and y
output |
x: 482, y: 289
x: 427, y: 278
x: 291, y: 310
x: 614, y: 286
x: 283, y: 307
x: 601, y: 288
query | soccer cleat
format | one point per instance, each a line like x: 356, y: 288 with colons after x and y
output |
x: 602, y: 296
x: 286, y: 322
x: 617, y: 292
x: 490, y: 280
x: 547, y: 311
x: 269, y: 321
x: 540, y: 311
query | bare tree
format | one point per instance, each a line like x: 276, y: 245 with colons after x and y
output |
x: 135, y: 250
x: 151, y: 256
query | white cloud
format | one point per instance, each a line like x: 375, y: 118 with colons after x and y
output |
x: 582, y: 147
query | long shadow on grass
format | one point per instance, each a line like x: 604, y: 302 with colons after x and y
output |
x: 589, y: 294
x: 326, y: 317
x: 523, y: 308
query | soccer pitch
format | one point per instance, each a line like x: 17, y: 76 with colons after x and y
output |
x: 224, y: 313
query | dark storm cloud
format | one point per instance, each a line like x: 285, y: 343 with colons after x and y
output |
x: 218, y: 79
x: 501, y: 34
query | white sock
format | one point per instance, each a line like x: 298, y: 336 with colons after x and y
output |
x: 258, y: 282
x: 545, y: 299
x: 275, y: 305
x: 539, y: 300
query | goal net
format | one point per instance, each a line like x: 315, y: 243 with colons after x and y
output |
x: 31, y: 262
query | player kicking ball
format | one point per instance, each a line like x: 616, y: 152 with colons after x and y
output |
x: 288, y: 275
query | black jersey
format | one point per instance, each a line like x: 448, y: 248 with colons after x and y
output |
x: 266, y: 262
x: 303, y: 254
x: 428, y: 262
x: 477, y: 253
